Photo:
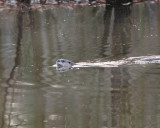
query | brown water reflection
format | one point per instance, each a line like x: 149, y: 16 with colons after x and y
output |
x: 34, y: 95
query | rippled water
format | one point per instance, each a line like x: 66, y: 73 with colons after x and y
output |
x: 34, y: 95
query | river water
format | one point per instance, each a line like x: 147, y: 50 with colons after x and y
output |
x: 33, y: 94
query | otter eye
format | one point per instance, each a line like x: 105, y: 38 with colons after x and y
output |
x: 63, y: 61
x: 69, y: 62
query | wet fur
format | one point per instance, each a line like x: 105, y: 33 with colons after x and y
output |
x: 64, y: 63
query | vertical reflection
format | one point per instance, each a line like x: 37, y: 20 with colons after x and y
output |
x: 108, y: 30
x: 122, y: 31
x: 18, y: 45
x: 2, y: 108
x: 21, y: 96
x: 120, y: 97
x: 8, y: 104
x: 117, y: 32
x: 116, y: 42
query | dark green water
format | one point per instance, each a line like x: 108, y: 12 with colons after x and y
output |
x: 34, y: 95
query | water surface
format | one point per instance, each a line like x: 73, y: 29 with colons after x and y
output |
x: 34, y: 95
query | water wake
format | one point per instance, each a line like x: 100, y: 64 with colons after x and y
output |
x: 126, y: 61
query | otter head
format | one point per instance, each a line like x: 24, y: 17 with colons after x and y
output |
x: 64, y: 63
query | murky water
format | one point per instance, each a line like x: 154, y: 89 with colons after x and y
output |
x: 34, y: 95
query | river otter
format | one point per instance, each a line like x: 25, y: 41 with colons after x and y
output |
x: 64, y: 63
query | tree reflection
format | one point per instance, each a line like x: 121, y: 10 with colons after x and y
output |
x: 18, y: 45
x: 117, y: 32
x: 116, y: 42
x: 13, y: 116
